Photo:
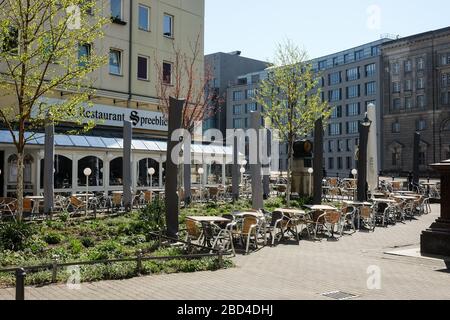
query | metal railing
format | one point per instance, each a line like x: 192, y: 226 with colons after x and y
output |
x: 21, y: 272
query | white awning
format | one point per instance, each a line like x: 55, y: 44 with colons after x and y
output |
x: 80, y: 141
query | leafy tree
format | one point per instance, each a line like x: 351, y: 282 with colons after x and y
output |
x: 291, y: 98
x: 46, y: 50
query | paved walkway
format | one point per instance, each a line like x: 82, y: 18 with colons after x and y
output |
x: 291, y: 272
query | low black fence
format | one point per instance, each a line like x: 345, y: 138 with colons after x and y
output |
x: 21, y: 272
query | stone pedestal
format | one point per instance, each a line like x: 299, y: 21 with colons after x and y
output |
x: 301, y: 178
x: 435, y: 241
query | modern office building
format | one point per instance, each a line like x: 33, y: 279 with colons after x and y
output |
x: 142, y: 35
x: 350, y: 80
x: 225, y: 69
x: 416, y: 98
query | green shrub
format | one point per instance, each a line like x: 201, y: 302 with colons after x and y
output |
x: 53, y: 238
x: 105, y: 250
x: 152, y: 217
x: 75, y: 246
x: 36, y: 244
x: 87, y: 242
x: 13, y: 235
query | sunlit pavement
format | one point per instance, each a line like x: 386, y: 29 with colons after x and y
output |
x: 356, y: 264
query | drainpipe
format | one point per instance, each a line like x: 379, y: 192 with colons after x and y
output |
x: 130, y: 54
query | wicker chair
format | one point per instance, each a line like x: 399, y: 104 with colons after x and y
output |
x: 77, y: 205
x: 367, y: 216
x: 247, y: 231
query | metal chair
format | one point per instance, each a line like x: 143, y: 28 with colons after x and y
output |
x: 247, y: 231
x: 367, y: 216
x: 77, y: 205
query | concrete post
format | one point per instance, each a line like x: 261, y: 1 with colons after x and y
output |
x: 49, y: 163
x: 255, y: 168
x: 127, y: 165
x: 318, y: 161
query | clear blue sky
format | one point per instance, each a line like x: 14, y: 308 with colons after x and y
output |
x: 321, y: 26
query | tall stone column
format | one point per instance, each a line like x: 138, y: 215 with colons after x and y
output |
x: 318, y: 161
x: 172, y: 207
x: 435, y: 241
x: 235, y: 171
x: 49, y: 164
x: 127, y: 165
x: 255, y: 168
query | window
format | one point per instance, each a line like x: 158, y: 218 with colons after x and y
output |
x: 116, y: 10
x: 330, y: 146
x: 167, y: 73
x: 421, y: 101
x: 396, y: 127
x: 335, y: 129
x: 339, y: 163
x: 396, y: 104
x: 340, y: 145
x: 352, y: 127
x: 237, y: 95
x: 337, y: 112
x: 420, y: 83
x: 445, y: 97
x: 396, y: 87
x: 251, y: 107
x: 238, y: 124
x: 115, y: 62
x: 396, y: 157
x: 142, y: 69
x: 445, y: 59
x: 322, y: 65
x: 84, y: 53
x: 349, y: 145
x: 421, y: 125
x: 335, y: 95
x: 11, y: 41
x: 422, y: 158
x: 371, y: 88
x: 408, y: 66
x: 330, y: 163
x: 420, y: 64
x: 395, y: 68
x: 408, y: 103
x: 144, y: 18
x: 168, y: 25
x: 353, y: 74
x: 348, y: 58
x: 375, y: 50
x: 359, y: 54
x: 238, y: 109
x: 349, y: 163
x: 335, y: 61
x: 353, y: 91
x: 334, y: 78
x: 408, y: 85
x: 251, y: 93
x: 444, y: 80
x: 353, y: 109
x: 370, y: 70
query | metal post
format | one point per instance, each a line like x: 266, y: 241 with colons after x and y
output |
x: 54, y: 269
x: 220, y: 259
x: 20, y: 284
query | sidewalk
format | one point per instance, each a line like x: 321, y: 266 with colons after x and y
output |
x: 290, y: 271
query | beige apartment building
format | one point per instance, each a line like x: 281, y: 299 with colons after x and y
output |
x: 140, y: 42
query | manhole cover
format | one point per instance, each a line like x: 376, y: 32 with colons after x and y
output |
x: 339, y: 295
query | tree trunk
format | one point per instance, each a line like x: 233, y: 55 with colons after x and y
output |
x: 289, y: 170
x: 20, y: 185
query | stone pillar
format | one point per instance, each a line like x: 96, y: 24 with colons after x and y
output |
x: 435, y: 241
x: 235, y: 171
x: 127, y: 165
x: 318, y: 161
x: 49, y: 164
x: 172, y: 200
x: 255, y: 168
x: 362, y: 163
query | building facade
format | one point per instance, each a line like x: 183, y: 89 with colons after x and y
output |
x: 350, y: 80
x: 416, y: 98
x: 141, y: 37
x: 225, y: 69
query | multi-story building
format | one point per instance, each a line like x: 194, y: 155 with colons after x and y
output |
x: 416, y: 98
x: 350, y: 80
x: 225, y: 69
x: 141, y: 37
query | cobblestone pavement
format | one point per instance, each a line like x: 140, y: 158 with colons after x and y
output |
x: 291, y: 272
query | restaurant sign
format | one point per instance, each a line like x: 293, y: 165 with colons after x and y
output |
x: 115, y: 116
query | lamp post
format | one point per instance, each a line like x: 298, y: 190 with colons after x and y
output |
x: 242, y: 177
x: 151, y: 172
x: 354, y: 174
x: 201, y: 172
x: 87, y: 172
x: 310, y: 171
x: 364, y: 127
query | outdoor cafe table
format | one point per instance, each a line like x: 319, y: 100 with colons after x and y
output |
x: 36, y: 201
x: 381, y: 200
x: 356, y: 203
x: 208, y: 219
x: 320, y: 207
x: 405, y: 197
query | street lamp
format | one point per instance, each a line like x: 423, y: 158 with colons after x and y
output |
x: 87, y: 172
x: 354, y: 174
x: 362, y: 159
x: 242, y: 170
x: 310, y: 171
x: 151, y: 172
x: 201, y: 171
